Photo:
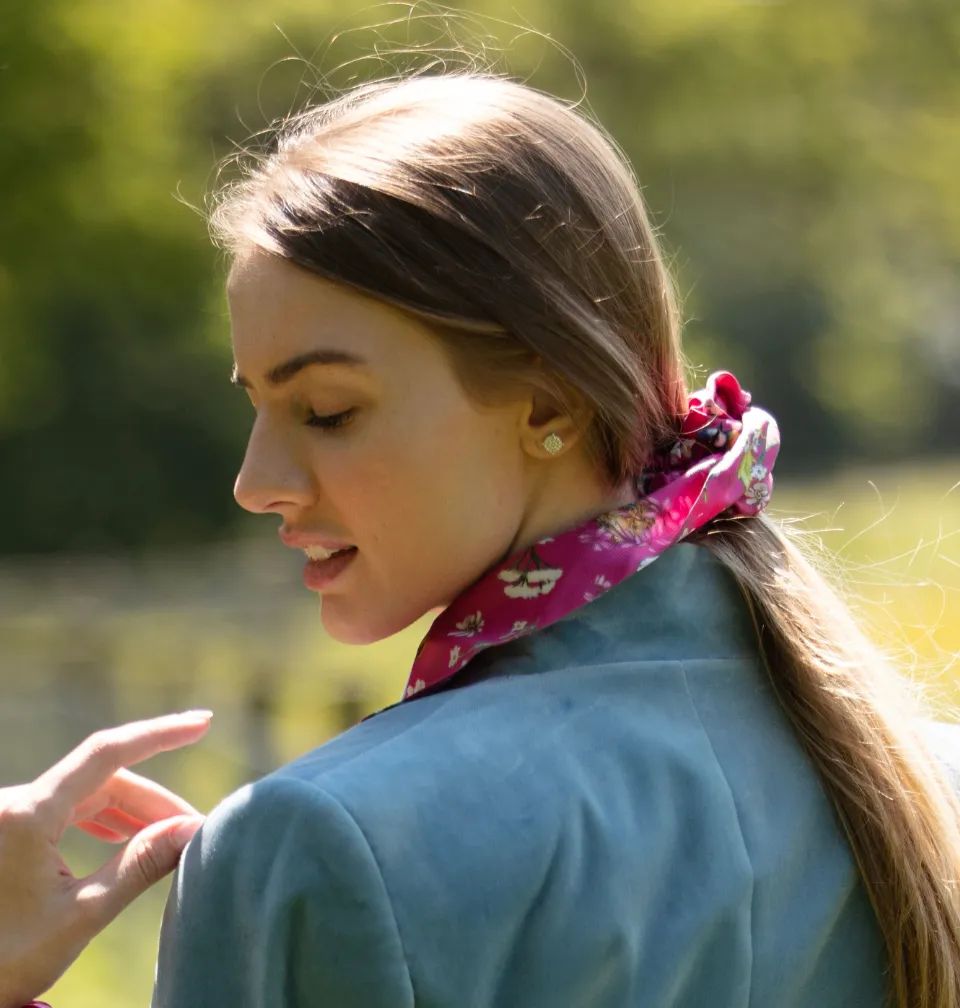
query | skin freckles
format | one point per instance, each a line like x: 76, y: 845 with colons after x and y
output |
x: 432, y: 488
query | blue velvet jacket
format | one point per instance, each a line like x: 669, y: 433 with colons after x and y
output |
x: 612, y: 812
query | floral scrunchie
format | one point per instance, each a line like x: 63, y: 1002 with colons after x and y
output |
x: 721, y: 461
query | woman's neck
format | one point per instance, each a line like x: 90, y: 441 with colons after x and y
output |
x: 559, y: 507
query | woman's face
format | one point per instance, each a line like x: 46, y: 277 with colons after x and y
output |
x: 364, y: 437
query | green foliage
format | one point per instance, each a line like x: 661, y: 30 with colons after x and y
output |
x: 801, y: 159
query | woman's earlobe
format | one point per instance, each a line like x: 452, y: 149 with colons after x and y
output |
x: 547, y: 429
x: 551, y: 441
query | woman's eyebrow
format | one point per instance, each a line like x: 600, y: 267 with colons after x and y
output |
x: 284, y: 372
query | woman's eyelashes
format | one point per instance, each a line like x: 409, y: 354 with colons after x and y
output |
x: 322, y: 421
x: 332, y: 421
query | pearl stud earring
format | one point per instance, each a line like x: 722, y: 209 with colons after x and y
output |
x: 553, y: 443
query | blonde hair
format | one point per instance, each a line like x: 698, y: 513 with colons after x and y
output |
x: 513, y: 227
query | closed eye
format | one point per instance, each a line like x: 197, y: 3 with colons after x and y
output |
x: 331, y: 422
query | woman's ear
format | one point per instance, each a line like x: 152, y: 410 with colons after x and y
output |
x: 544, y: 415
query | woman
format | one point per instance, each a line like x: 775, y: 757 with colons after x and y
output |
x: 643, y: 756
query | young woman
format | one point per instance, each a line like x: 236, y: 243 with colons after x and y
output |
x: 644, y: 757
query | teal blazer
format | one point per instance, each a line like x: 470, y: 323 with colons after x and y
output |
x: 612, y: 812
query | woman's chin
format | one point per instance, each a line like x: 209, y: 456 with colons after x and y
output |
x: 354, y: 628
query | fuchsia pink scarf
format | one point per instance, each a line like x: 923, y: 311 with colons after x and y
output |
x: 721, y: 461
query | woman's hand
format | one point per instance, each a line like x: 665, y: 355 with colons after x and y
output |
x: 47, y: 915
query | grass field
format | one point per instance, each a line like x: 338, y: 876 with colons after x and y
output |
x: 892, y: 541
x: 257, y: 656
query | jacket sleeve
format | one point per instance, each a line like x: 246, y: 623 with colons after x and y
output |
x: 279, y: 903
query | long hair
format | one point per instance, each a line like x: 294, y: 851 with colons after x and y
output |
x: 513, y: 227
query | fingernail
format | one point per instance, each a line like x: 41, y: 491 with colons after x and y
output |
x: 196, y: 715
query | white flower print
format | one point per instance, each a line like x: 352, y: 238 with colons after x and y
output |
x: 454, y: 655
x: 469, y: 626
x: 759, y: 471
x: 646, y: 561
x: 529, y: 583
x: 602, y: 585
x: 519, y: 627
x: 544, y: 575
x: 599, y: 541
x: 757, y: 495
x: 415, y: 688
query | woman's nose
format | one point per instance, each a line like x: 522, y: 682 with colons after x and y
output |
x: 272, y: 477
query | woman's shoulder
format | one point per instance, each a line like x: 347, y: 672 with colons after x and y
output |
x: 433, y: 829
x: 521, y: 723
x: 521, y: 760
x: 560, y: 791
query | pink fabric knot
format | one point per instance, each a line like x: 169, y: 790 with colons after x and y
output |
x: 722, y: 430
x: 722, y: 396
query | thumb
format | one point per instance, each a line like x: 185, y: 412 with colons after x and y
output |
x: 151, y: 855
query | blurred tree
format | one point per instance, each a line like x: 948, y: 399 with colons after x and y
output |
x: 801, y: 158
x: 116, y: 425
x: 804, y: 160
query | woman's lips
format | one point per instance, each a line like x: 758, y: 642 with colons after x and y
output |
x: 320, y: 574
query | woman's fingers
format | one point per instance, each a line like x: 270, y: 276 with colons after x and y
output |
x: 125, y: 805
x: 122, y: 825
x: 88, y: 767
x: 147, y: 858
x: 99, y: 832
x: 139, y: 797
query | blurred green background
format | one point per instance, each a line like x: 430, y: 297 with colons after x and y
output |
x: 802, y: 160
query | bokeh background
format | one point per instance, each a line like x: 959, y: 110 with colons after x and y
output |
x: 802, y: 159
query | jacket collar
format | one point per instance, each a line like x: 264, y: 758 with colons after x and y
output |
x: 685, y: 607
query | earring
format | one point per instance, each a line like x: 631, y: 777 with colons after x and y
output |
x: 553, y: 443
